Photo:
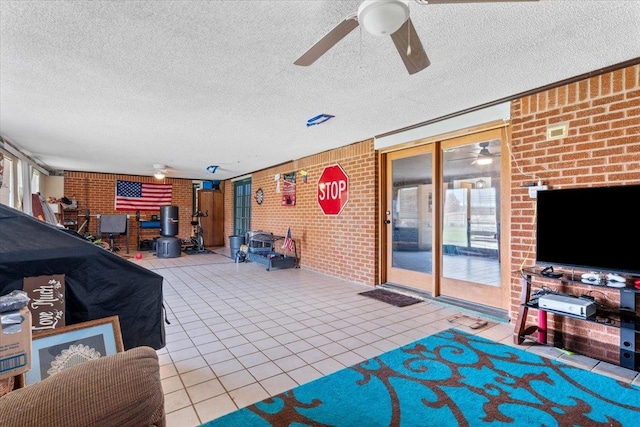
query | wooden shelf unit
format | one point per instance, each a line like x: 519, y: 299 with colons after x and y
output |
x: 68, y: 218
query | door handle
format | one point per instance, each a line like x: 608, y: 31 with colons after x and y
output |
x: 387, y: 221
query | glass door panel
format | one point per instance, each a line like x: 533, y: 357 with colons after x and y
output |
x: 241, y: 206
x: 471, y: 219
x: 409, y: 218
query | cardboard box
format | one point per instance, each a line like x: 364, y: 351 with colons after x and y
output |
x: 15, y: 342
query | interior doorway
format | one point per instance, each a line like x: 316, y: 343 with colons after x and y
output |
x: 241, y: 206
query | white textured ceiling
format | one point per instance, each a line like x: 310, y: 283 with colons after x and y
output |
x: 117, y: 86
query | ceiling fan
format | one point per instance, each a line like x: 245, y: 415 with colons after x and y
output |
x: 160, y: 171
x: 485, y: 157
x: 383, y: 17
x: 482, y: 157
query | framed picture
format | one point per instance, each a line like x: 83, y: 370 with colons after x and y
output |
x: 57, y: 349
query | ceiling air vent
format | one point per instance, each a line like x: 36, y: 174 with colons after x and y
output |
x: 557, y: 131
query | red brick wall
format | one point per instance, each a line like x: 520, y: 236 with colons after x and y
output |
x: 343, y: 246
x: 96, y: 192
x: 602, y: 148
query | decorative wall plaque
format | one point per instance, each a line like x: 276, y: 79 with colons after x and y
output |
x: 47, y: 304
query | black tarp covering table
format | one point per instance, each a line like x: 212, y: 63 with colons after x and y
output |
x: 98, y: 283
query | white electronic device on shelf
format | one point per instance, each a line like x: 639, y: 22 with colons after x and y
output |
x: 567, y: 304
x: 615, y: 278
x: 611, y: 280
x: 614, y: 284
x: 591, y: 277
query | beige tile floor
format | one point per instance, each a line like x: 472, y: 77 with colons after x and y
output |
x: 240, y: 334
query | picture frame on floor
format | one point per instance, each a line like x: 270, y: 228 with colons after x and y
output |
x: 57, y: 349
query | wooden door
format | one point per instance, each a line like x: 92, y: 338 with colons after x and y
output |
x: 210, y: 202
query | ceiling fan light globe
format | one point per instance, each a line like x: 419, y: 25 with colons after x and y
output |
x: 382, y: 17
x: 159, y: 175
x: 482, y: 161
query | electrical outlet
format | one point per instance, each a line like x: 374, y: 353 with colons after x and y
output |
x: 533, y: 191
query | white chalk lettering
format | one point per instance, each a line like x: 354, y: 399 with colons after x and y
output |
x: 47, y: 297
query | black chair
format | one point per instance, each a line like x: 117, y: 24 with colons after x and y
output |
x: 112, y: 226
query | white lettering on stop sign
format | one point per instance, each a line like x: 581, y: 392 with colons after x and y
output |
x: 333, y: 190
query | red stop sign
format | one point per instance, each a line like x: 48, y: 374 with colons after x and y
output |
x: 333, y: 190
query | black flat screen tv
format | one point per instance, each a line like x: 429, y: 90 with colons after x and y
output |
x: 592, y: 228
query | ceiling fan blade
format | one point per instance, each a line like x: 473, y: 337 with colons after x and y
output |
x: 458, y: 159
x: 418, y: 59
x: 328, y: 41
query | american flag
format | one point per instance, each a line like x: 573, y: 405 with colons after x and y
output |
x: 141, y: 196
x: 288, y: 241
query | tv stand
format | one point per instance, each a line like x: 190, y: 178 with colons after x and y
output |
x: 625, y: 318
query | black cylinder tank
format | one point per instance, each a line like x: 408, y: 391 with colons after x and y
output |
x: 168, y: 221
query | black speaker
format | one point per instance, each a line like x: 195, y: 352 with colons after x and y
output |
x: 168, y: 221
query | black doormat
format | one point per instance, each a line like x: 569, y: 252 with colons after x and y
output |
x: 194, y: 252
x: 389, y: 297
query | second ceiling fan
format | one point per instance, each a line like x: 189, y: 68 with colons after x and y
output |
x: 383, y: 17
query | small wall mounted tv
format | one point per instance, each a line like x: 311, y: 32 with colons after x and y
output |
x: 590, y: 228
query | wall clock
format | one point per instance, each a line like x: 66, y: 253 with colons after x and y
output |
x: 259, y: 196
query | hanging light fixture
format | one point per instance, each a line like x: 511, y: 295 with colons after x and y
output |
x: 484, y: 156
x: 382, y: 17
x: 480, y: 183
x: 484, y: 161
x: 159, y: 171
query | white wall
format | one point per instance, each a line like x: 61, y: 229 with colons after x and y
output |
x: 474, y: 118
x: 52, y: 186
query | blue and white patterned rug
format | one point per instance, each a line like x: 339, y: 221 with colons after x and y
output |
x: 450, y: 379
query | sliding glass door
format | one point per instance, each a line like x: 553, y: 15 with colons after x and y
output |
x: 443, y: 217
